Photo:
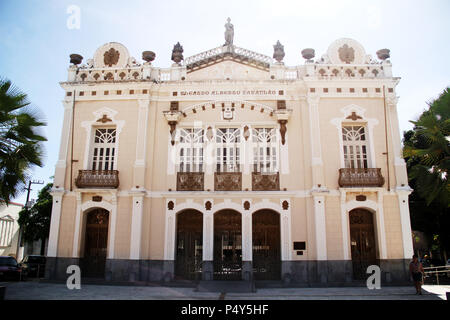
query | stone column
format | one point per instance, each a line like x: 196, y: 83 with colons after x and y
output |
x: 208, y: 246
x: 320, y: 226
x: 136, y: 227
x: 76, y: 234
x: 112, y: 223
x: 405, y: 220
x: 247, y: 247
x: 380, y: 227
x: 54, y: 224
x: 401, y: 176
x: 345, y: 227
x: 141, y: 144
x: 316, y: 147
x: 61, y: 164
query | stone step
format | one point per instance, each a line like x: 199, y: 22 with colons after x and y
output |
x: 225, y: 286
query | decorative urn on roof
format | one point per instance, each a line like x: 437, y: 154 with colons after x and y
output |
x: 75, y: 58
x: 177, y: 53
x: 278, y: 52
x: 148, y: 56
x: 308, y: 54
x: 383, y: 54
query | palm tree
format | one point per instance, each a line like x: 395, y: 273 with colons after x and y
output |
x: 428, y: 152
x: 20, y: 142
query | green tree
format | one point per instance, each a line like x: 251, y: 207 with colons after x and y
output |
x: 35, y: 221
x: 20, y: 141
x: 427, y: 155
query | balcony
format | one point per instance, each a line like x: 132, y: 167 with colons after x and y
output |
x: 360, y: 177
x: 228, y: 181
x: 107, y: 179
x: 265, y: 181
x: 190, y: 181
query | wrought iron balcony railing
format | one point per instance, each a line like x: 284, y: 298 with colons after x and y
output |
x: 228, y: 181
x: 265, y: 181
x: 360, y: 177
x: 190, y: 181
x: 97, y: 179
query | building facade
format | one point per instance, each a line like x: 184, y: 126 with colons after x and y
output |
x: 231, y: 165
x: 9, y: 230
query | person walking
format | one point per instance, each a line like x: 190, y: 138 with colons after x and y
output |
x: 416, y: 271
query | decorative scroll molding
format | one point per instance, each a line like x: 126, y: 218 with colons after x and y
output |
x: 265, y: 182
x: 360, y: 177
x: 190, y: 181
x: 228, y: 181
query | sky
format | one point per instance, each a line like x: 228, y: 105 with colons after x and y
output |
x: 37, y: 37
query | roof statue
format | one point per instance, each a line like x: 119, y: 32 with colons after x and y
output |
x: 229, y: 33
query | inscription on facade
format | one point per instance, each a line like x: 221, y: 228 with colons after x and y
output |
x: 228, y: 92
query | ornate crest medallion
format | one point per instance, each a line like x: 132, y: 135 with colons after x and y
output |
x: 111, y: 57
x: 346, y: 54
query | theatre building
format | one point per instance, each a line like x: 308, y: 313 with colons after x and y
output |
x: 231, y: 165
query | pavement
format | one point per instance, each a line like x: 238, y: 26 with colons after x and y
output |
x: 35, y: 290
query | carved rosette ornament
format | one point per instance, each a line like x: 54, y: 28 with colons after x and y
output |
x: 111, y: 57
x: 346, y: 54
x: 278, y: 52
x: 177, y: 53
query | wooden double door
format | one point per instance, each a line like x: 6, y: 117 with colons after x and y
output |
x: 189, y: 245
x: 266, y: 245
x: 227, y: 245
x: 96, y: 243
x: 362, y: 240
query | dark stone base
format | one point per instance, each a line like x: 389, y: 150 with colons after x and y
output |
x: 55, y: 268
x: 116, y: 270
x: 331, y: 273
x: 340, y: 273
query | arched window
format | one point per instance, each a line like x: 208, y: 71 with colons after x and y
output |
x: 104, y: 149
x: 265, y: 146
x: 355, y: 146
x: 191, y: 150
x: 228, y: 150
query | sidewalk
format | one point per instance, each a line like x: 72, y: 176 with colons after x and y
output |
x: 51, y: 291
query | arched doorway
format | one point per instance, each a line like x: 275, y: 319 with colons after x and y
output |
x: 362, y: 241
x: 189, y: 245
x: 227, y: 245
x: 96, y: 243
x: 266, y: 245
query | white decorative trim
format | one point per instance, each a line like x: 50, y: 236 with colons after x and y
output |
x: 88, y: 126
x: 370, y: 123
x: 77, y: 231
x: 136, y: 227
x: 320, y: 227
x: 112, y: 209
x: 403, y: 204
x: 345, y: 227
x: 208, y: 225
x: 53, y: 238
